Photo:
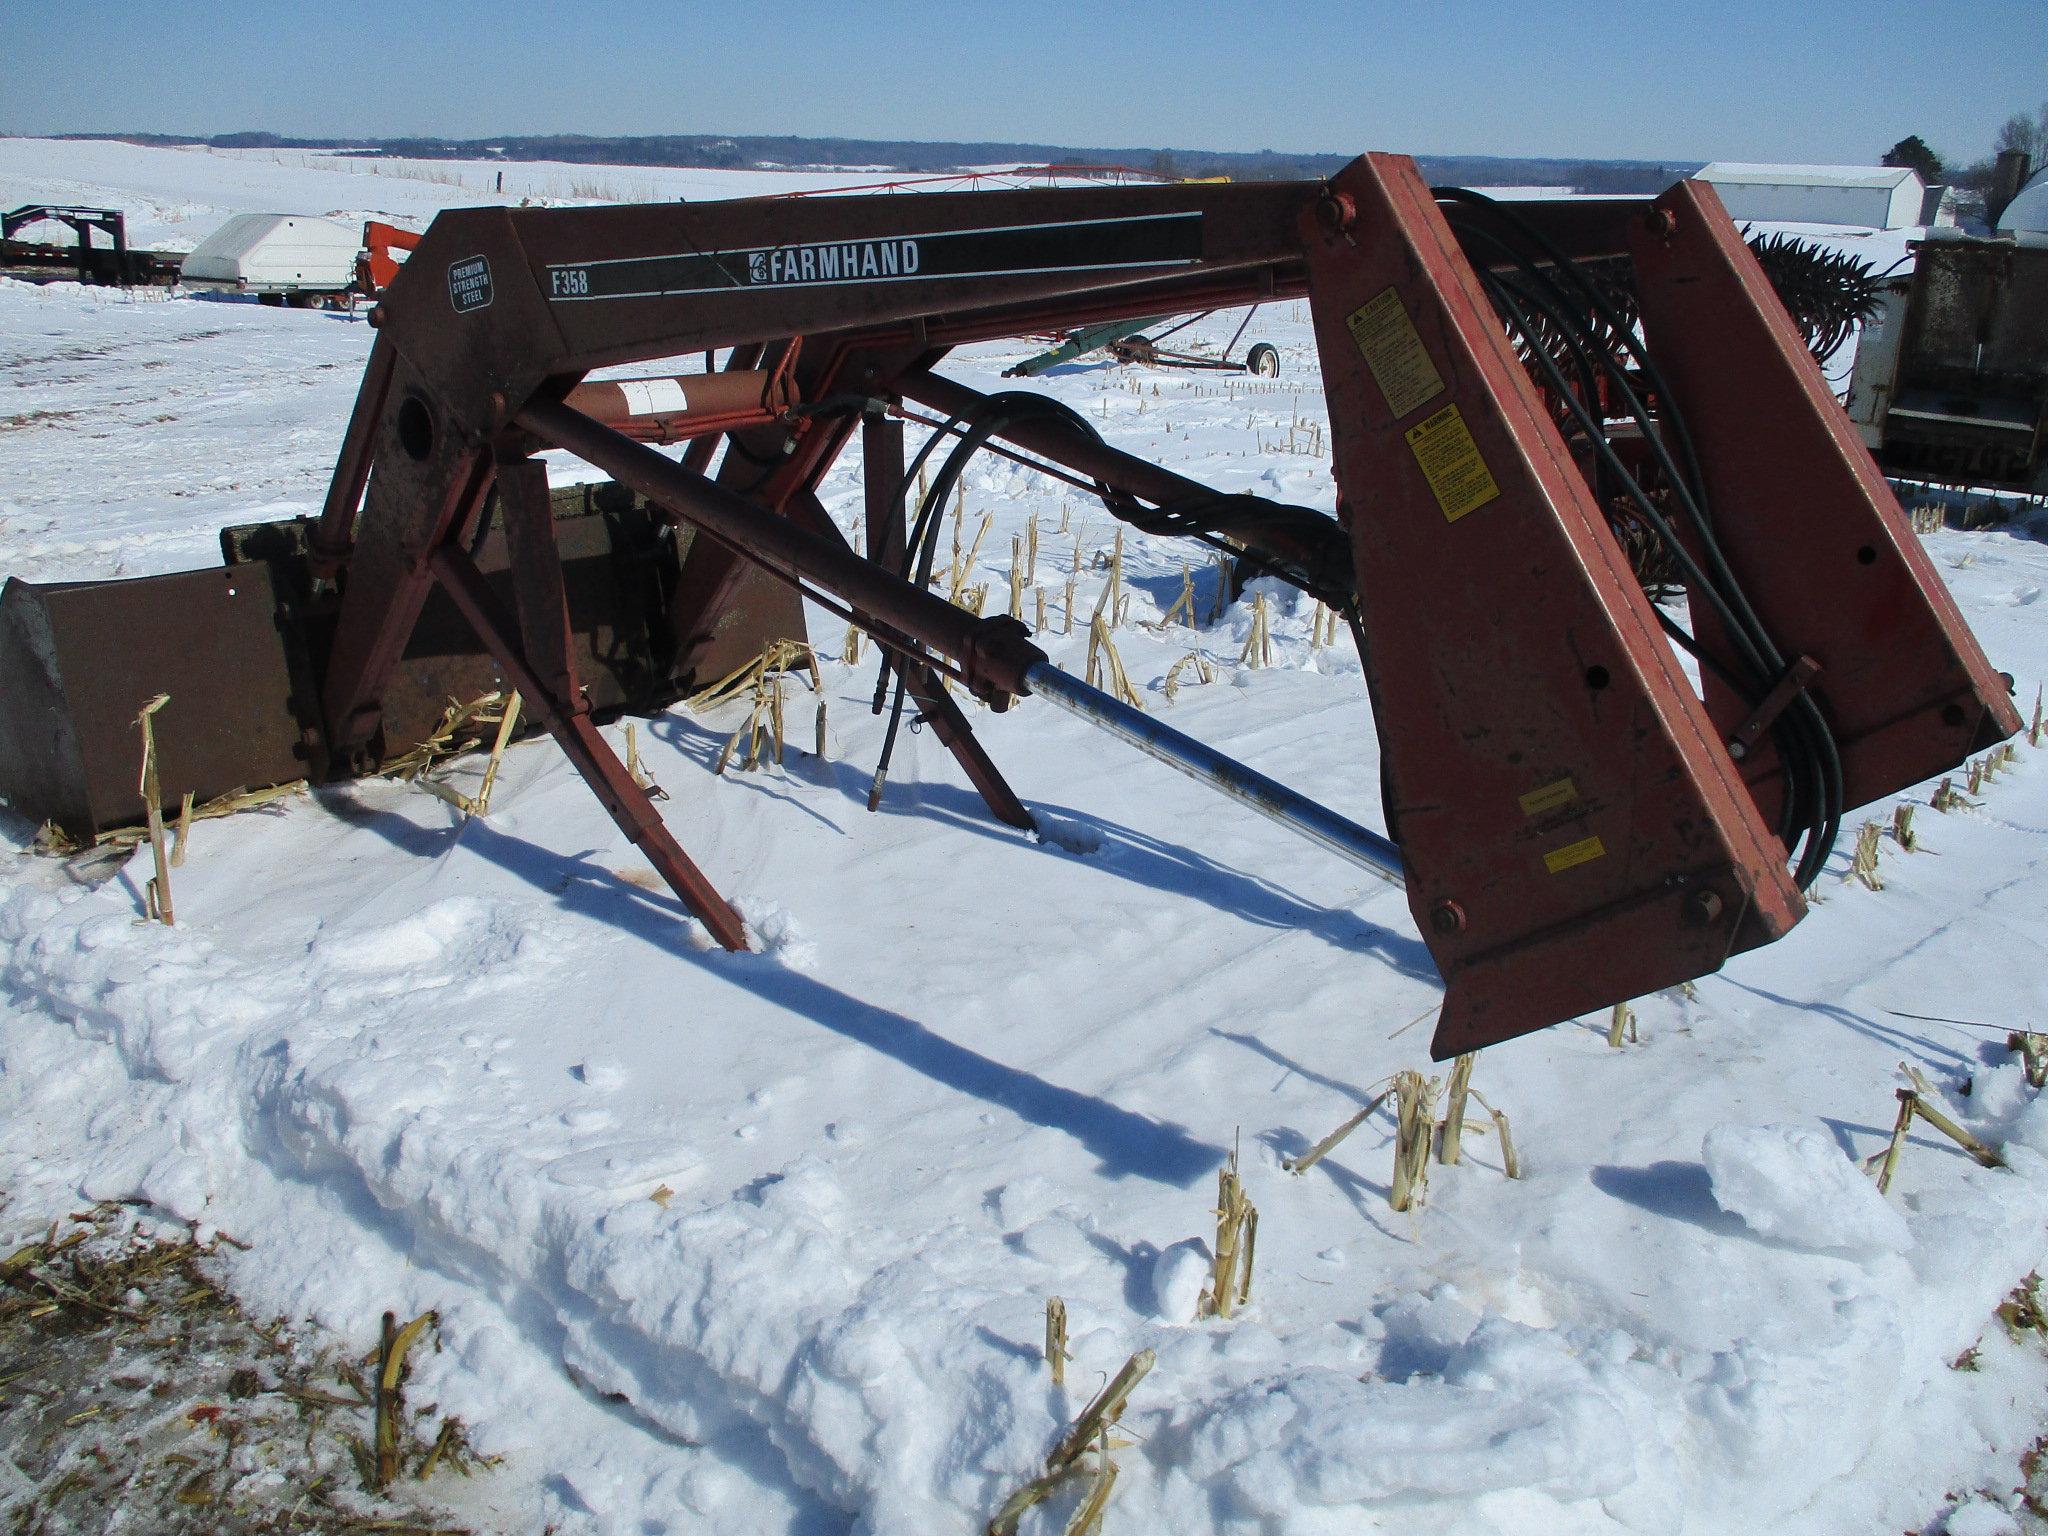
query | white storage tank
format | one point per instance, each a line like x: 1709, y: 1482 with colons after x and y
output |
x: 2026, y: 216
x: 276, y: 253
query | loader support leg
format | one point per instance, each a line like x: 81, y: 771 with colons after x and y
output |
x: 567, y: 719
x: 950, y: 725
x: 334, y: 535
x: 388, y: 578
x: 537, y: 595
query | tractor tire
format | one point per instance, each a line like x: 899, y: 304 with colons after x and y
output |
x: 1262, y: 361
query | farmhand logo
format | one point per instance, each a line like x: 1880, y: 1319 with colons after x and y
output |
x: 1151, y: 241
x: 842, y: 262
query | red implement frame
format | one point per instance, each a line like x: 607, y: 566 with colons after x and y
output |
x: 380, y: 266
x: 1575, y: 828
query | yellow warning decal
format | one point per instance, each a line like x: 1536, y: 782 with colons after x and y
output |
x: 1394, y: 352
x: 1450, y: 462
x: 1571, y: 855
x: 1549, y: 797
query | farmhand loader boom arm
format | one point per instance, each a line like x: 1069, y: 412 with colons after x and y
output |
x: 1574, y: 820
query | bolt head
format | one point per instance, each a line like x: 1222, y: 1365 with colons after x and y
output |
x: 1704, y: 907
x: 1661, y: 222
x: 1336, y: 212
x: 1447, y: 917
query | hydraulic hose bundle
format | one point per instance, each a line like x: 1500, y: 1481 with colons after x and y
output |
x: 1548, y: 299
x: 1223, y: 522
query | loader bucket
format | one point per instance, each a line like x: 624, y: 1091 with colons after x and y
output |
x: 240, y: 650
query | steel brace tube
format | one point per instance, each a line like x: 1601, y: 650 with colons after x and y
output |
x: 1270, y: 798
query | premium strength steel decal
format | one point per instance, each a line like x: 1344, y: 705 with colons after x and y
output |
x: 1090, y: 245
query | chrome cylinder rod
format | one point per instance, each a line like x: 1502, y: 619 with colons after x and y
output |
x: 1274, y: 800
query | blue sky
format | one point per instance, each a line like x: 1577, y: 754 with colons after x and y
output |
x: 1826, y: 80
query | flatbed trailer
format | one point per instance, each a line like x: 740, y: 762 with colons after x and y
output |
x: 115, y: 264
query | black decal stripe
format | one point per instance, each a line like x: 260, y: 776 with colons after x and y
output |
x: 1102, y: 245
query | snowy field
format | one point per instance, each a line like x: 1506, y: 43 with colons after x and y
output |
x: 174, y: 198
x: 418, y: 1062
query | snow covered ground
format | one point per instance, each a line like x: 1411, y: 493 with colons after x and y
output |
x: 422, y: 1062
x: 176, y: 197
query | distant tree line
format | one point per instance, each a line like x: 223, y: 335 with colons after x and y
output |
x: 913, y: 158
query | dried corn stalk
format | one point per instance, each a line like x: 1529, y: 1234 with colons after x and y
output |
x: 220, y: 805
x: 1104, y: 1411
x: 1914, y: 1104
x: 1056, y: 1354
x: 1451, y: 1134
x: 635, y: 769
x: 508, y: 722
x: 1322, y: 627
x: 1222, y: 589
x: 1329, y: 1143
x: 1902, y: 828
x: 462, y: 728
x: 156, y: 897
x: 1863, y: 862
x: 1204, y: 673
x: 962, y: 568
x: 1183, y: 607
x: 1087, y: 1519
x: 1230, y: 1279
x: 1923, y: 1107
x: 1622, y: 1025
x: 183, y: 830
x: 1258, y: 645
x: 391, y: 1351
x: 1089, y: 1431
x: 1414, y: 1119
x: 779, y: 656
x: 1946, y: 798
x: 1106, y: 668
x: 1509, y: 1163
x: 2033, y: 1053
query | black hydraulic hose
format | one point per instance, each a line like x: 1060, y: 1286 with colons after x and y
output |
x: 1797, y: 811
x: 1813, y: 798
x: 920, y: 549
x: 1624, y: 332
x: 917, y: 464
x: 1691, y: 498
x: 1807, y: 748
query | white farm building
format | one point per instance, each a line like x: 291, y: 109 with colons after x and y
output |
x: 1866, y: 196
